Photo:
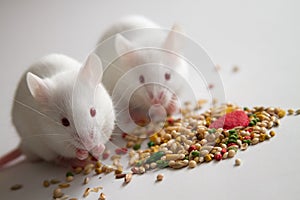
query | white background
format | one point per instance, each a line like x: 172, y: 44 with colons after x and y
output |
x: 261, y: 37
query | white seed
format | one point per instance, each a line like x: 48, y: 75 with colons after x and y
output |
x: 231, y: 153
x: 192, y: 164
x: 153, y: 165
x: 255, y: 141
x: 174, y: 156
x: 225, y: 155
x: 57, y: 193
x: 128, y: 178
x: 244, y: 146
x: 203, y: 153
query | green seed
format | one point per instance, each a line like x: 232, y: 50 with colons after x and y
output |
x: 213, y: 130
x: 195, y: 153
x: 151, y: 144
x: 154, y: 157
x: 136, y: 146
x: 232, y: 131
x: 162, y: 163
x: 247, y: 141
x: 69, y: 174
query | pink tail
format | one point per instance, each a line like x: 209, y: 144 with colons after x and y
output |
x: 10, y: 157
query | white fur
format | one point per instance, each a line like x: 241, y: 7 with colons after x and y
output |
x: 126, y: 63
x: 46, y: 94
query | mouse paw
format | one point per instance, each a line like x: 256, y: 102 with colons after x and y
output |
x: 97, y: 151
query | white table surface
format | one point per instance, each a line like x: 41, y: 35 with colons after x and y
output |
x: 261, y: 37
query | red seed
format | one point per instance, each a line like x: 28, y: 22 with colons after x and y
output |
x: 231, y: 120
x: 218, y: 157
x: 192, y: 148
x: 224, y: 150
x: 247, y: 138
x: 124, y: 135
x: 121, y: 151
x: 231, y: 144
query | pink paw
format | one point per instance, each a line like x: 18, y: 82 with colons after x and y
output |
x: 96, y: 151
x: 82, y: 154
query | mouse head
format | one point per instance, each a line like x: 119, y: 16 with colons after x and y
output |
x: 78, y: 104
x: 159, y: 77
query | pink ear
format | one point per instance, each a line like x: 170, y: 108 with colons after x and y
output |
x: 38, y: 88
x: 92, y: 70
x: 174, y: 40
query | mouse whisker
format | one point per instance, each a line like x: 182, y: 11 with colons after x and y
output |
x: 36, y: 111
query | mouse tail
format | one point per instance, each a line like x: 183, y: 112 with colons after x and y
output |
x: 7, y: 158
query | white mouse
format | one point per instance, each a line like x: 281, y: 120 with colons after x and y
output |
x: 168, y: 88
x: 61, y: 110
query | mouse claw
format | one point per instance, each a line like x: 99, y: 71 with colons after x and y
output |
x: 82, y: 154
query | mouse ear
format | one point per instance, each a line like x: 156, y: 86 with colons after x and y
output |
x: 174, y: 39
x: 122, y: 45
x: 37, y: 87
x: 92, y: 70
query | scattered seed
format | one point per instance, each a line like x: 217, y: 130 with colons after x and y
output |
x: 69, y: 178
x: 238, y: 162
x: 235, y: 68
x: 118, y: 176
x: 290, y: 111
x: 46, y: 183
x: 54, y: 181
x: 78, y: 170
x: 86, y: 192
x: 16, y: 187
x: 64, y: 185
x: 57, y: 193
x: 102, y: 196
x: 297, y: 112
x: 159, y: 177
x: 128, y: 178
x: 86, y: 180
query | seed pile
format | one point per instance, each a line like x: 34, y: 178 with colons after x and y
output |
x: 217, y: 134
x: 196, y: 139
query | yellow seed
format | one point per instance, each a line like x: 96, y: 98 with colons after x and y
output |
x: 119, y: 170
x: 64, y: 185
x: 102, y: 196
x: 153, y: 137
x: 54, y: 181
x: 281, y: 113
x: 86, y: 192
x: 98, y: 164
x: 86, y: 180
x: 78, y: 170
x: 69, y: 178
x: 87, y: 171
x: 290, y: 111
x: 98, y: 170
x: 298, y: 112
x: 262, y: 137
x: 207, y: 158
x: 159, y: 177
x: 73, y: 199
x: 46, y: 183
x: 272, y: 133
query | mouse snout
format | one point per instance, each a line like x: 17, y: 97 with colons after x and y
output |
x: 157, y: 98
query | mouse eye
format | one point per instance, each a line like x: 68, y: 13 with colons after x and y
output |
x: 142, y: 79
x: 65, y: 122
x: 167, y: 76
x: 92, y: 112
